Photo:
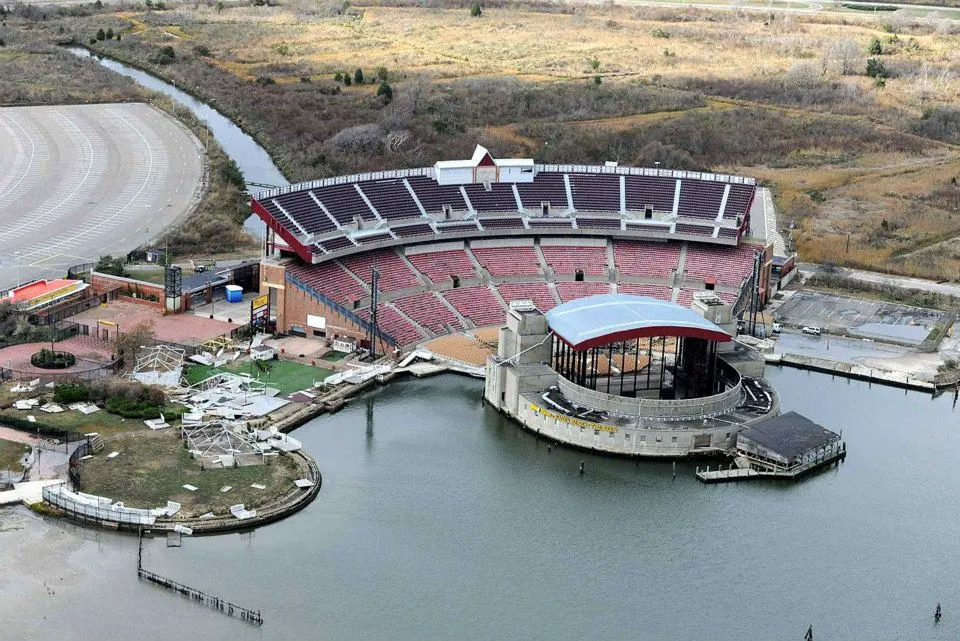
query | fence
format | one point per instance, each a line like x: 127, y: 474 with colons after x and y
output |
x: 74, y: 467
x: 52, y: 376
x: 96, y: 509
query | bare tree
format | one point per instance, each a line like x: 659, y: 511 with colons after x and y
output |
x: 129, y: 343
x: 932, y: 83
x: 802, y: 76
x: 844, y: 56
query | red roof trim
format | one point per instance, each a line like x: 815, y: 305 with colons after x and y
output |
x: 486, y: 161
x: 302, y: 250
x: 647, y: 332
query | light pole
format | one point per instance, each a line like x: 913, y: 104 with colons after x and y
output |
x: 17, y: 254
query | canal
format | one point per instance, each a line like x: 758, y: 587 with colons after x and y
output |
x: 440, y: 519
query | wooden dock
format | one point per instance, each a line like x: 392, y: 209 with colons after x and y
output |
x: 728, y: 475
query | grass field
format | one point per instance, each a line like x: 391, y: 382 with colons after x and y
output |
x: 153, y: 467
x: 10, y: 455
x: 102, y: 421
x: 287, y: 376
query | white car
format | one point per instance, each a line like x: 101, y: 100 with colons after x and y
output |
x: 775, y: 329
x: 813, y: 331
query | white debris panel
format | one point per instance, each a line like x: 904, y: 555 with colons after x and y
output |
x: 231, y: 396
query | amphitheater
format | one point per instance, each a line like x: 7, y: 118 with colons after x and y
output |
x: 456, y: 243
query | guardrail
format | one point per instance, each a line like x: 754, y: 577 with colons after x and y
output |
x: 576, y: 169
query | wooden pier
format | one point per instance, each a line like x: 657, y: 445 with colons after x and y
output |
x: 728, y: 475
x: 244, y: 614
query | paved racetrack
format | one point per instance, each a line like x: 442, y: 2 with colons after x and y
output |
x: 79, y: 181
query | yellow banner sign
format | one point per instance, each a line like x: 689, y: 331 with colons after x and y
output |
x: 579, y: 422
x: 260, y: 302
x: 57, y: 293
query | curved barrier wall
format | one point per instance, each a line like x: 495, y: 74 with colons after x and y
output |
x: 679, y: 409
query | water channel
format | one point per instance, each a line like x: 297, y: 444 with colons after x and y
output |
x: 440, y: 519
x: 252, y: 159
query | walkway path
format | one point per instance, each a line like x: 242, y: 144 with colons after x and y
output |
x: 949, y: 289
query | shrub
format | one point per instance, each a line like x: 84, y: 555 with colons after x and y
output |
x: 875, y: 69
x: 385, y: 91
x: 346, y: 79
x: 110, y: 33
x: 230, y: 172
x: 165, y: 56
x: 51, y: 359
x: 201, y: 50
x: 660, y: 33
x: 475, y: 10
x: 382, y: 73
x: 338, y: 77
x: 71, y: 393
x: 110, y: 265
x: 358, y: 76
x: 100, y: 34
x: 136, y: 408
x: 875, y: 48
x: 265, y: 81
x: 597, y: 80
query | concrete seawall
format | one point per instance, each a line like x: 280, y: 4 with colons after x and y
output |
x: 851, y: 370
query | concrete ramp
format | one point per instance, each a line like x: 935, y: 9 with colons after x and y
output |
x: 28, y: 493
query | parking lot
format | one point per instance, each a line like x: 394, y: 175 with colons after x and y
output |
x: 859, y: 317
x: 79, y: 181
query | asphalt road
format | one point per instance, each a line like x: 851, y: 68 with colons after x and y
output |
x: 79, y: 181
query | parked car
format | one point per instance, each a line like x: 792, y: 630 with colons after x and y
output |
x: 813, y: 331
x: 775, y: 329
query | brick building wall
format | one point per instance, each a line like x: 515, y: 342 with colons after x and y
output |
x: 293, y: 304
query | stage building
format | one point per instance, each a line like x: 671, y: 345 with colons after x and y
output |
x: 630, y: 375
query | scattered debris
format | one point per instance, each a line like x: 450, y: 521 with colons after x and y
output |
x: 258, y: 486
x: 159, y: 365
x: 191, y: 488
x: 156, y: 423
x: 182, y: 529
x: 51, y: 408
x: 303, y: 483
x: 84, y: 408
x: 239, y: 512
x: 208, y: 515
x: 26, y: 403
x: 226, y: 488
x: 231, y: 396
x: 172, y: 508
x: 113, y: 454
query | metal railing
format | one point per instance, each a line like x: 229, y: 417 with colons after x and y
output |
x: 576, y: 169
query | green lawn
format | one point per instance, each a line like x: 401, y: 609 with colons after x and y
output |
x: 287, y: 376
x: 148, y: 275
x: 10, y: 455
x: 101, y: 421
x: 153, y: 467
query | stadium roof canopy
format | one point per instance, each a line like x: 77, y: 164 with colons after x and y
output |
x: 606, y: 318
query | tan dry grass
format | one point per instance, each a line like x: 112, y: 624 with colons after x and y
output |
x: 445, y: 45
